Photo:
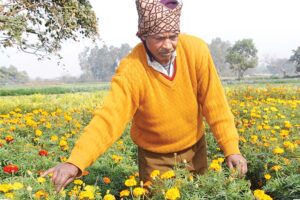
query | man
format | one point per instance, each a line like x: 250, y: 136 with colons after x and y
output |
x: 166, y: 85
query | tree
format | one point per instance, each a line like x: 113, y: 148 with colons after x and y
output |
x: 279, y: 66
x: 100, y: 63
x: 296, y: 58
x: 40, y: 26
x: 242, y: 56
x: 218, y: 49
x: 11, y: 75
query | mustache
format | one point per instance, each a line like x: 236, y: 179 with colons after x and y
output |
x: 165, y: 51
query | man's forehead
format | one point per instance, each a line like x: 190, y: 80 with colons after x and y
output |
x: 166, y: 34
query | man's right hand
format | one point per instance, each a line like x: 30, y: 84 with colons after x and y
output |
x: 63, y: 174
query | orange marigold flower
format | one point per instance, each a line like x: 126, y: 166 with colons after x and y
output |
x: 106, y: 180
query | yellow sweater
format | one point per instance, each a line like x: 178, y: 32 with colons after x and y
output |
x: 167, y: 116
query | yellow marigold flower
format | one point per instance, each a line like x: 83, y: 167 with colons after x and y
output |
x: 168, y: 174
x: 5, y: 187
x: 78, y: 182
x: 278, y: 150
x: 48, y: 125
x: 54, y: 138
x: 90, y: 188
x: 215, y: 166
x: 109, y: 197
x: 154, y: 174
x: 38, y: 133
x: 289, y: 145
x: 124, y: 193
x: 221, y: 160
x: 17, y: 186
x: 116, y: 158
x: 86, y: 195
x: 267, y: 176
x: 287, y: 124
x: 130, y: 182
x: 63, y: 143
x: 63, y: 159
x: 284, y: 133
x: 67, y: 118
x: 139, y: 191
x: 172, y: 194
x: 276, y: 167
x: 9, y: 195
x: 260, y: 195
x: 41, y: 180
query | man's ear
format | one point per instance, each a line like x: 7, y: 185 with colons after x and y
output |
x: 143, y: 38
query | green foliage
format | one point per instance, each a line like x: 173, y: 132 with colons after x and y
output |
x: 39, y: 27
x: 218, y: 50
x: 242, y: 56
x: 100, y: 63
x: 11, y: 75
x: 73, y: 88
x: 296, y: 58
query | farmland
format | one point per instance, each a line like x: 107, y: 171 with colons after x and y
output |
x: 38, y: 130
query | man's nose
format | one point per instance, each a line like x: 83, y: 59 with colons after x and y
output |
x: 167, y: 44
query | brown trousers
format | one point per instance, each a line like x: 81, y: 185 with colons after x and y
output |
x: 195, y: 156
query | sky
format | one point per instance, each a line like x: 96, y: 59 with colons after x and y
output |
x: 272, y: 24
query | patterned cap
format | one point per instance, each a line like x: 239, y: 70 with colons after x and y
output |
x: 158, y: 16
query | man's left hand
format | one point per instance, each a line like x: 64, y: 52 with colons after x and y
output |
x: 237, y: 161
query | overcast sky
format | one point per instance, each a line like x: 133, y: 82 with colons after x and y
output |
x: 272, y: 24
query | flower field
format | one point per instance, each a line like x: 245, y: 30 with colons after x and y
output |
x: 39, y: 131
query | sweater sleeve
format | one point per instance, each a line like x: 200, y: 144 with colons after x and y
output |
x: 215, y: 108
x: 107, y: 124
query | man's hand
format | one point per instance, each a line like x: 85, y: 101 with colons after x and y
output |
x: 63, y: 174
x: 237, y: 161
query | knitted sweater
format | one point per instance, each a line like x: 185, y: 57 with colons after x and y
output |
x: 167, y: 115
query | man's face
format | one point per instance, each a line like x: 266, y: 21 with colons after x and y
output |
x: 162, y: 46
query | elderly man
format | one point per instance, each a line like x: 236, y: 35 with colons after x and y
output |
x: 166, y: 85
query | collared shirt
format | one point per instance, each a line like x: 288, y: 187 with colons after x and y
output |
x: 166, y: 70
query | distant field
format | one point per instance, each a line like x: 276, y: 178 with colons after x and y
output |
x: 52, y: 89
x: 92, y: 87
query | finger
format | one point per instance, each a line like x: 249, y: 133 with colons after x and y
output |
x: 59, y: 182
x: 244, y: 168
x: 49, y: 171
x: 68, y: 181
x: 229, y: 164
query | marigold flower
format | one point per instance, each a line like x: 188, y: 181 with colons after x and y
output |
x: 124, y: 193
x: 168, y: 174
x: 276, y: 168
x: 38, y: 133
x: 54, y: 138
x: 215, y: 166
x: 10, y: 169
x: 9, y: 139
x: 260, y: 195
x: 106, y: 180
x: 278, y: 150
x: 109, y: 197
x: 41, y: 180
x: 78, y: 182
x: 139, y: 191
x: 43, y: 152
x: 172, y: 194
x: 17, y: 186
x: 267, y: 176
x: 5, y: 187
x: 41, y: 194
x: 9, y: 195
x: 154, y: 174
x: 86, y: 195
x: 130, y: 182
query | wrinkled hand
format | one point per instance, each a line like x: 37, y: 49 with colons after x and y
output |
x: 63, y: 174
x: 237, y: 161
